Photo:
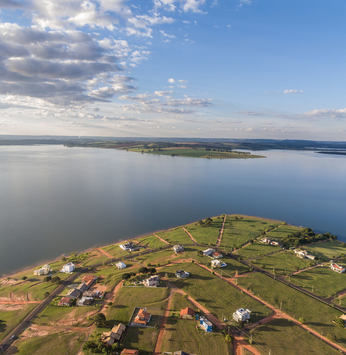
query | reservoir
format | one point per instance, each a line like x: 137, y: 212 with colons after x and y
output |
x: 55, y: 200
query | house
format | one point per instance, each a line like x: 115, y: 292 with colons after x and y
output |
x: 75, y: 293
x: 120, y: 265
x: 275, y: 243
x: 337, y: 268
x: 142, y: 317
x: 241, y: 315
x: 303, y: 254
x: 217, y: 255
x: 208, y: 252
x: 205, y: 324
x: 85, y: 301
x: 178, y: 248
x: 129, y: 352
x: 114, y: 335
x: 187, y: 313
x: 65, y: 301
x: 152, y: 281
x: 266, y: 240
x: 68, y: 268
x: 312, y: 257
x: 182, y: 274
x: 217, y: 263
x: 127, y: 246
x: 89, y: 280
x: 82, y: 287
x: 45, y: 270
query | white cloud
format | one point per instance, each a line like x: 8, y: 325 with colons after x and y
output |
x: 171, y: 80
x: 293, y: 91
x: 326, y: 113
x: 166, y: 35
x: 162, y: 93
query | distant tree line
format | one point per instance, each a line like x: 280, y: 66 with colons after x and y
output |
x: 305, y: 236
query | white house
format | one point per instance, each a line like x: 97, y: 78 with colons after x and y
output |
x: 266, y: 240
x: 208, y: 252
x: 69, y: 267
x: 218, y: 263
x: 120, y: 265
x: 127, y: 246
x: 45, y: 270
x: 337, y: 268
x: 85, y: 301
x: 241, y: 315
x: 178, y: 248
x: 152, y: 281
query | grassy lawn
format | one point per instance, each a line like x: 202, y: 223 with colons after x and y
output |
x: 160, y: 257
x: 175, y: 236
x: 95, y: 259
x: 328, y: 250
x: 256, y: 249
x: 239, y: 232
x: 324, y: 281
x: 152, y: 242
x: 216, y: 295
x: 318, y: 315
x: 127, y: 298
x: 141, y: 338
x: 232, y: 267
x: 285, y: 338
x: 206, y: 235
x: 54, y: 344
x: 281, y: 263
x: 115, y: 250
x: 10, y: 318
x: 282, y: 231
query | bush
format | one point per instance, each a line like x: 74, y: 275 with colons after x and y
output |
x: 24, y: 277
x: 47, y: 278
x: 46, y: 294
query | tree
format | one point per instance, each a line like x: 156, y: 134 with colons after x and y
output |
x: 126, y: 276
x: 24, y: 277
x: 100, y: 319
x: 46, y: 294
x: 152, y: 270
x: 229, y: 338
x: 339, y: 322
x: 56, y: 280
x: 302, y: 320
x: 73, y: 301
x: 47, y: 278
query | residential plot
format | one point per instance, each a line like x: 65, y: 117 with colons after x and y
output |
x: 256, y: 249
x: 160, y: 257
x: 328, y: 249
x: 204, y: 234
x: 283, y: 337
x: 115, y: 250
x: 321, y: 280
x: 141, y: 338
x: 317, y: 315
x: 233, y: 267
x: 175, y: 236
x: 282, y: 231
x: 150, y: 241
x: 239, y: 231
x: 282, y: 263
x: 219, y: 297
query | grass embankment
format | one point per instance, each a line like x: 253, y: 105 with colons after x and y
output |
x: 238, y: 231
x: 216, y: 295
x: 317, y: 315
x: 10, y: 315
x: 175, y: 236
x: 283, y: 337
x: 205, y: 235
x: 282, y: 263
x: 256, y: 249
x: 328, y: 249
x: 53, y: 344
x: 322, y: 281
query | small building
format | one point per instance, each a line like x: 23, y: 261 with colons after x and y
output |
x: 217, y: 255
x: 303, y: 254
x: 120, y: 265
x: 178, y: 248
x: 152, y: 281
x: 217, y: 263
x: 187, y: 313
x: 114, y: 335
x: 45, y: 270
x: 309, y: 256
x: 68, y: 268
x: 208, y: 252
x: 74, y: 293
x: 82, y: 287
x: 65, y: 301
x: 337, y: 268
x: 275, y: 243
x: 241, y: 315
x: 129, y: 352
x: 89, y: 280
x: 266, y: 240
x: 182, y: 274
x: 142, y: 317
x: 127, y: 246
x: 205, y: 324
x: 85, y: 301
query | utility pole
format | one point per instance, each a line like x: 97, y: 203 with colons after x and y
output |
x: 280, y: 305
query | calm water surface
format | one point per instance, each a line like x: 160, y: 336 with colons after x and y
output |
x: 55, y: 200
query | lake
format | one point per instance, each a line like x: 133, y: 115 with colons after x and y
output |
x: 55, y: 199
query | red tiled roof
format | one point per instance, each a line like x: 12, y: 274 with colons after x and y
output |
x: 187, y: 311
x: 129, y: 352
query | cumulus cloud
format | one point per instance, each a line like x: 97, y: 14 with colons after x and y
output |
x: 171, y: 81
x: 293, y: 91
x: 326, y: 113
x: 184, y: 5
x: 249, y: 113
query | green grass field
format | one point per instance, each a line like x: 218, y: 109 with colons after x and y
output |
x: 10, y: 318
x: 256, y: 249
x: 175, y: 236
x: 232, y: 267
x: 54, y: 344
x: 127, y: 298
x: 328, y: 250
x: 141, y: 338
x: 282, y: 263
x: 282, y: 231
x: 283, y: 337
x: 150, y: 241
x: 318, y: 315
x: 205, y: 235
x: 321, y: 280
x: 216, y: 295
x: 239, y: 232
x: 160, y: 257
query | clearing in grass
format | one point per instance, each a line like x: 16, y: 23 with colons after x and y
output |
x: 141, y: 338
x: 150, y: 241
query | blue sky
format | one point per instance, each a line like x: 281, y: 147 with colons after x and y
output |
x: 173, y: 68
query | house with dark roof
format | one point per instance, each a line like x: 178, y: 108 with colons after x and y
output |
x: 75, y: 293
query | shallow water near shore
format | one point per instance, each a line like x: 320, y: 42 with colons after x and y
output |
x: 54, y: 200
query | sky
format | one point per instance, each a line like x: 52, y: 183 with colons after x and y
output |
x: 173, y: 68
